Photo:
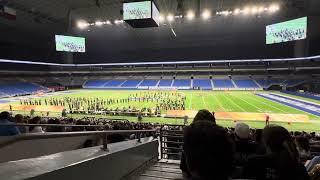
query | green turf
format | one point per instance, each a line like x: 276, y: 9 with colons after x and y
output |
x: 230, y: 101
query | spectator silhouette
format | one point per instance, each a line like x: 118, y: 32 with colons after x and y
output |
x: 202, y: 115
x: 281, y: 161
x: 5, y: 118
x: 208, y: 151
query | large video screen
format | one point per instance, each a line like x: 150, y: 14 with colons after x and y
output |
x: 70, y: 43
x: 287, y: 31
x: 137, y: 10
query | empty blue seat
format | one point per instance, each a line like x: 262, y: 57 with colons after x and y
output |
x: 95, y: 83
x: 149, y: 82
x: 19, y: 88
x: 182, y: 83
x: 245, y: 83
x: 131, y: 83
x: 165, y: 83
x: 114, y: 83
x: 222, y: 83
x: 202, y: 83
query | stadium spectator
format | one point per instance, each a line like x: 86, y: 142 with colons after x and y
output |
x: 204, y: 115
x: 54, y: 128
x: 208, y: 151
x: 281, y: 161
x: 19, y: 119
x: 36, y: 129
x: 244, y: 146
x: 5, y: 118
x: 303, y: 147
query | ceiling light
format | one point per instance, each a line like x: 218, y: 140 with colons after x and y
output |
x: 236, y: 11
x: 170, y: 17
x: 82, y: 24
x: 98, y: 23
x: 206, y: 14
x: 274, y: 8
x: 190, y: 15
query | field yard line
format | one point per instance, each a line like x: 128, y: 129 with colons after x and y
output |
x: 233, y: 102
x: 268, y: 104
x: 205, y: 105
x: 190, y: 101
x: 277, y: 107
x: 219, y: 103
x: 248, y: 102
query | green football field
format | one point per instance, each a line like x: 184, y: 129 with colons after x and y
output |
x: 218, y: 101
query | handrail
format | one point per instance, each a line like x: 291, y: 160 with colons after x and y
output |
x: 53, y: 125
x: 33, y: 136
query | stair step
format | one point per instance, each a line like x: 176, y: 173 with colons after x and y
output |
x: 165, y: 169
x: 163, y: 174
x: 160, y: 177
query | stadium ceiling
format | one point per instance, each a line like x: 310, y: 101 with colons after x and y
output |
x: 57, y: 13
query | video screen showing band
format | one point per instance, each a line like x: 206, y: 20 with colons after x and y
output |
x: 287, y: 31
x: 70, y: 43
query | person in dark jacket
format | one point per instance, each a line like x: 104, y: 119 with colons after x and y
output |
x: 281, y: 162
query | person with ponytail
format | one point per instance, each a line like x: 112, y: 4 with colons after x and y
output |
x: 281, y: 162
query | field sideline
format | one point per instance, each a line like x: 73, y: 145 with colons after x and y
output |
x: 218, y: 101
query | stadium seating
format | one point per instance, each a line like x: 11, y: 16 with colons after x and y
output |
x: 148, y: 83
x: 222, y: 83
x: 131, y: 83
x: 95, y: 83
x: 113, y: 83
x: 182, y: 83
x: 204, y: 84
x: 266, y: 83
x: 246, y: 83
x: 165, y: 83
x: 19, y: 88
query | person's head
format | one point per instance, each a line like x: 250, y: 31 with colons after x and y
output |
x: 18, y: 118
x: 277, y: 139
x: 208, y: 150
x: 204, y: 115
x: 302, y: 143
x: 35, y: 120
x: 5, y: 116
x: 242, y: 131
x: 258, y: 136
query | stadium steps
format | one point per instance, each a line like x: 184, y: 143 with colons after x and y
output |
x: 256, y: 83
x: 140, y: 83
x: 162, y: 171
x: 172, y: 83
x: 191, y: 83
x: 157, y: 85
x: 234, y: 84
x: 120, y: 85
x: 212, y: 85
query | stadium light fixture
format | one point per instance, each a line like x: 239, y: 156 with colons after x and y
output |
x: 254, y: 10
x: 273, y: 8
x: 190, y: 15
x: 236, y: 11
x: 170, y: 17
x: 246, y: 10
x: 98, y: 23
x: 161, y: 18
x: 260, y: 9
x: 82, y: 24
x: 108, y: 22
x: 206, y: 14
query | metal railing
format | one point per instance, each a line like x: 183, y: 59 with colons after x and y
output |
x: 171, y: 142
x: 104, y: 134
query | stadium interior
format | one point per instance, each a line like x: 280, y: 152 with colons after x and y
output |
x: 180, y: 89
